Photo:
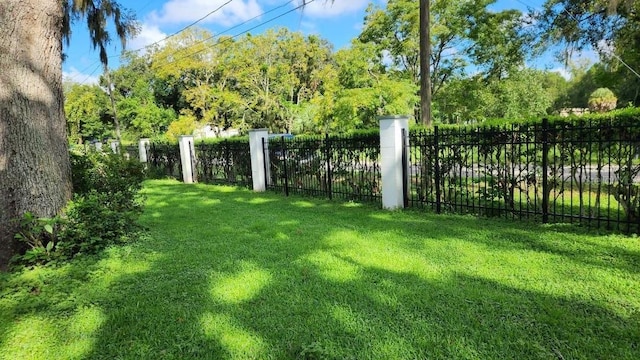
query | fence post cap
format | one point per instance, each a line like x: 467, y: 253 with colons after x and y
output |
x: 393, y: 117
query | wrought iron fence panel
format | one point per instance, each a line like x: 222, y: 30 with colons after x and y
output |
x: 595, y: 174
x: 226, y: 162
x: 588, y: 173
x: 342, y: 167
x: 355, y: 166
x: 132, y: 152
x: 164, y: 160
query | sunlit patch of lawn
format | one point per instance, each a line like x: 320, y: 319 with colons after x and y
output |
x: 224, y: 273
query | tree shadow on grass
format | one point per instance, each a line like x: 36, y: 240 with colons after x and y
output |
x: 289, y: 278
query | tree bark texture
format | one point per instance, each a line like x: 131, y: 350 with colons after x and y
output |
x: 35, y: 171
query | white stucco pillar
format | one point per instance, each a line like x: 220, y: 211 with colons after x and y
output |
x: 114, y: 146
x: 259, y: 143
x: 187, y: 158
x: 391, y: 147
x: 143, y: 147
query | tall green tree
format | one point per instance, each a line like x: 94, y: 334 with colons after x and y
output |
x: 140, y: 113
x: 522, y: 94
x: 87, y: 112
x: 463, y: 33
x: 580, y: 23
x: 361, y: 90
x: 611, y: 27
x: 35, y: 171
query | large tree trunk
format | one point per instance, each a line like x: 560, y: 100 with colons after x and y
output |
x: 35, y: 172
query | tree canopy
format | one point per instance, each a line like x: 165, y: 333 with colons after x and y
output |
x: 287, y: 81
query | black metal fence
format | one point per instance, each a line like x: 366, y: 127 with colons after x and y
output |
x: 226, y: 162
x: 164, y: 160
x: 559, y: 172
x: 132, y: 152
x: 333, y: 167
x: 588, y: 173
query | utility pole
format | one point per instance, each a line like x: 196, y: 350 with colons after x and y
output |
x: 107, y: 77
x: 425, y: 63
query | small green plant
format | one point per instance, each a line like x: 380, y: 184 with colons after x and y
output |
x: 103, y: 212
x: 40, y: 235
x: 96, y: 220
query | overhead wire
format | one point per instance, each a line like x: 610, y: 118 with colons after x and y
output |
x: 90, y: 74
x: 229, y: 29
x: 165, y: 38
x: 112, y: 56
x: 145, y: 6
x: 230, y: 37
x: 184, y: 28
x: 611, y: 53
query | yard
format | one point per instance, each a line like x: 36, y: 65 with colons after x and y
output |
x: 226, y: 273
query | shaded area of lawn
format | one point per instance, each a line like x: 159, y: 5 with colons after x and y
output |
x: 226, y: 273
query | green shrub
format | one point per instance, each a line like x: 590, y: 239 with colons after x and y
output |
x: 96, y: 220
x: 602, y: 100
x: 104, y: 210
x: 40, y: 235
x: 105, y: 173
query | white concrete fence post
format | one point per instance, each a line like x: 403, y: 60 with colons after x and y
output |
x: 187, y: 158
x: 115, y: 145
x: 258, y: 142
x: 143, y: 148
x: 391, y: 148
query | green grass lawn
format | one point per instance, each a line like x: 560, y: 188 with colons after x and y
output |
x: 225, y: 273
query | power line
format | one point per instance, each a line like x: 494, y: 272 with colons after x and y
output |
x: 211, y: 37
x: 145, y: 6
x: 229, y: 29
x: 234, y: 36
x: 612, y: 53
x: 91, y: 74
x: 167, y: 37
x: 186, y: 27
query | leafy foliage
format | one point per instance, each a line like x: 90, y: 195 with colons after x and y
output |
x: 88, y: 114
x: 103, y: 211
x: 611, y: 27
x: 602, y: 100
x: 96, y: 13
x: 185, y: 125
x: 40, y: 235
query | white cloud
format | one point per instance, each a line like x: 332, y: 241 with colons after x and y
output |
x: 309, y: 27
x: 387, y: 58
x: 563, y: 72
x: 605, y: 47
x: 327, y: 8
x: 187, y: 11
x: 76, y: 76
x: 149, y: 34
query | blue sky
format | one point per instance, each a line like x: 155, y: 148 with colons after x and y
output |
x: 338, y: 22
